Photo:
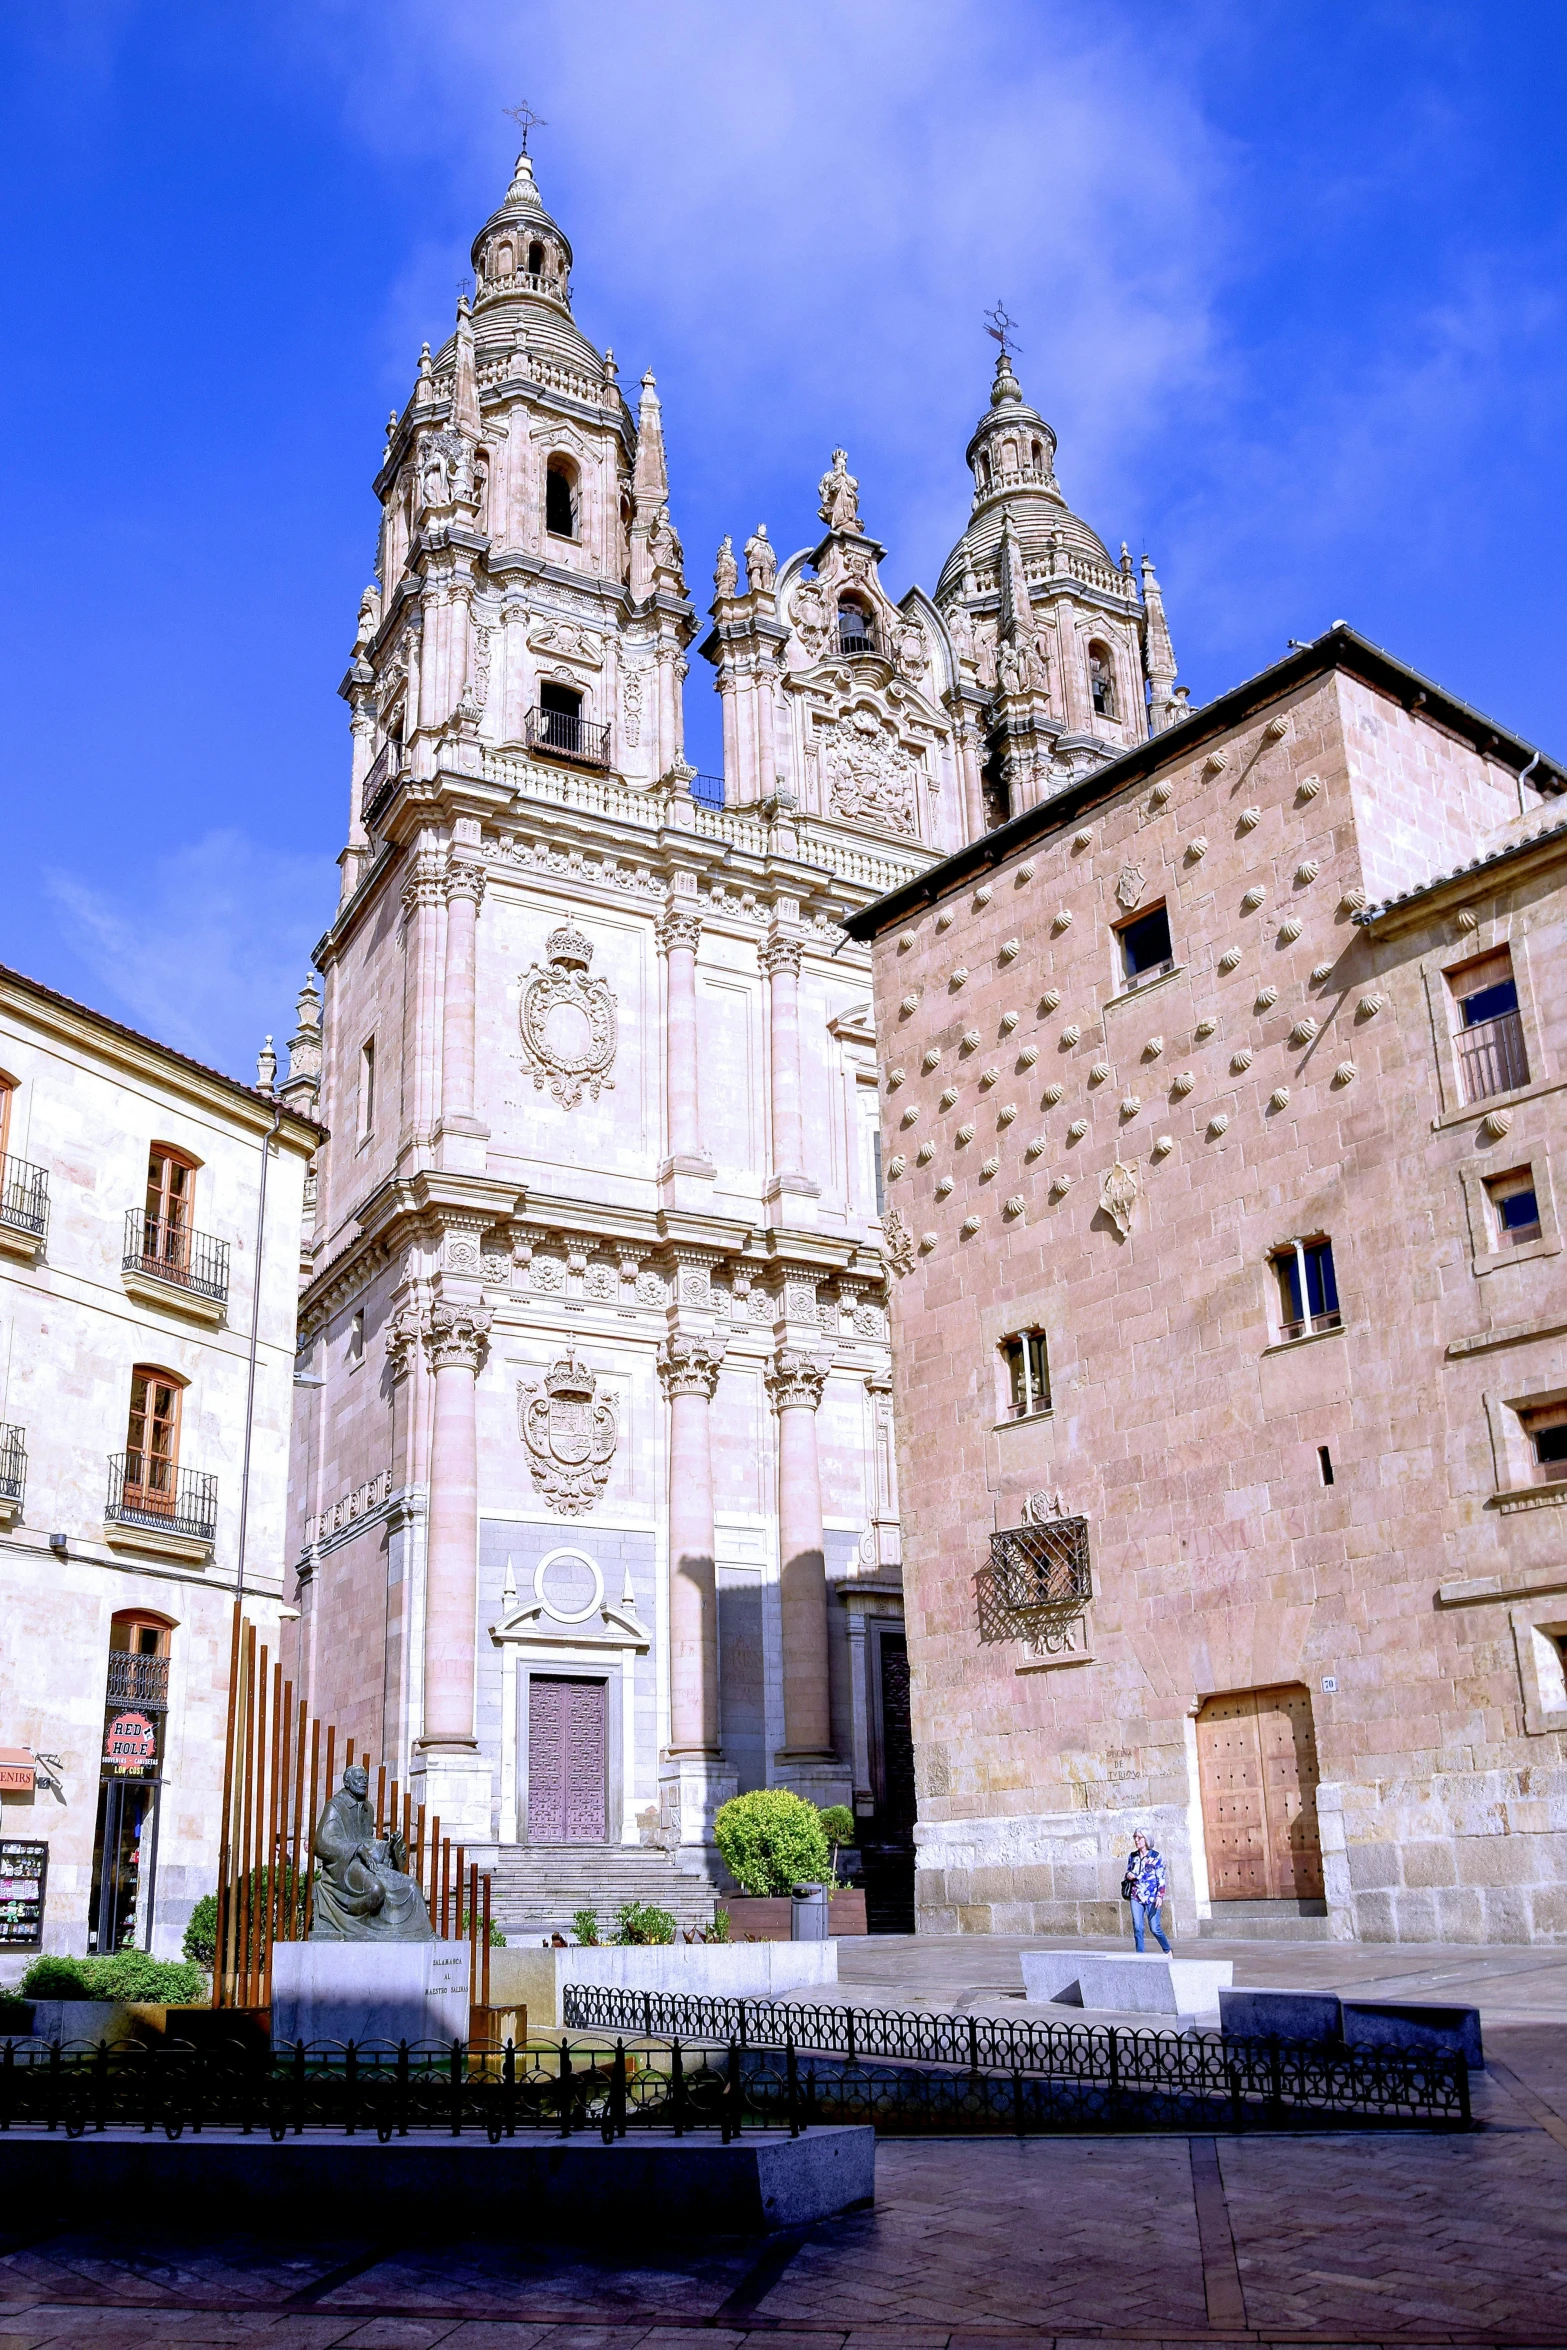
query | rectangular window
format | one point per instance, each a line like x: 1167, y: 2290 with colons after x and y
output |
x: 881, y: 1189
x: 1546, y: 1430
x: 152, y: 1441
x: 367, y: 1089
x: 1028, y: 1374
x: 1515, y: 1205
x: 356, y: 1338
x: 1491, y: 1054
x: 1308, y: 1289
x: 1145, y: 946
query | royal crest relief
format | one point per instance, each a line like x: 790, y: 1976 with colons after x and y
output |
x: 570, y: 1432
x: 569, y: 1022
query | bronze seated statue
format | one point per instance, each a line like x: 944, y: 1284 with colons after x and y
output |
x: 364, y: 1892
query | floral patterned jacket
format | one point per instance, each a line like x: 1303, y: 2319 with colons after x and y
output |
x: 1146, y: 1870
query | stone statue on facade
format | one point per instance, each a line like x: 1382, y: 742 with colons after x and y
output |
x: 839, y: 493
x: 761, y: 562
x: 665, y: 548
x: 726, y: 572
x: 364, y: 1892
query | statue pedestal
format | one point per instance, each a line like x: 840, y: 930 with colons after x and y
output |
x: 359, y: 1991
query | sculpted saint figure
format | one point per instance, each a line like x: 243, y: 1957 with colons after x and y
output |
x: 839, y: 493
x: 726, y: 572
x: 363, y: 1893
x: 761, y: 562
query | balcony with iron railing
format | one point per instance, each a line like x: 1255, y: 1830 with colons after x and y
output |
x: 1492, y: 1057
x: 24, y: 1208
x: 708, y: 790
x: 149, y: 1495
x: 170, y: 1252
x: 13, y: 1472
x: 560, y: 735
x: 856, y: 639
x: 138, y: 1680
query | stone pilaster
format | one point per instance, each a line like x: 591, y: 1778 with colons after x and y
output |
x: 788, y: 1188
x: 795, y: 1381
x: 679, y: 930
x: 693, y: 1780
x: 423, y: 898
x: 461, y: 1133
x: 448, y: 1774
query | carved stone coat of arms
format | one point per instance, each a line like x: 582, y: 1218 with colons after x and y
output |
x: 569, y: 1022
x: 570, y: 1432
x: 869, y: 773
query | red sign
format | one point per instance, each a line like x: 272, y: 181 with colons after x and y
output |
x: 130, y: 1741
x: 16, y: 1771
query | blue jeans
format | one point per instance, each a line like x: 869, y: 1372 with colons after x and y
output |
x: 1148, y: 1915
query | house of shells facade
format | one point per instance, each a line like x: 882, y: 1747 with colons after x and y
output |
x: 596, y: 1509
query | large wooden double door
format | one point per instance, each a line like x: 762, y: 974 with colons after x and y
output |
x: 1257, y: 1762
x: 567, y: 1774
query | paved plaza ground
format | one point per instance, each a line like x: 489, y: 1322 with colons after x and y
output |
x: 1407, y: 2237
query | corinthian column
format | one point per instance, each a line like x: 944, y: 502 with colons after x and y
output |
x: 679, y: 929
x: 455, y: 1341
x: 689, y: 1369
x: 795, y: 1382
x: 464, y: 890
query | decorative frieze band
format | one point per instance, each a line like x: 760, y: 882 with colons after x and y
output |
x: 347, y: 1511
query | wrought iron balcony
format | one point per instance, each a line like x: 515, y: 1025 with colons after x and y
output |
x: 1492, y: 1056
x: 147, y: 1491
x: 188, y: 1260
x: 567, y: 737
x: 13, y: 1465
x: 381, y: 781
x: 24, y: 1197
x: 1042, y: 1566
x: 856, y: 640
x: 138, y: 1680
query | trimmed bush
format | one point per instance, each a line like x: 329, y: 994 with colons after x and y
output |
x: 770, y: 1840
x: 644, y: 1921
x: 129, y: 1974
x: 201, y: 1935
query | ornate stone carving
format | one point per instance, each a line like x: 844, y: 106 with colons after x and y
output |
x: 913, y: 651
x: 679, y: 926
x: 690, y: 1366
x: 569, y: 1022
x: 839, y: 494
x: 761, y: 562
x: 869, y: 773
x: 810, y: 616
x: 631, y: 706
x: 1118, y: 1196
x: 563, y: 640
x: 570, y: 1432
x: 423, y: 883
x: 465, y: 879
x: 782, y: 953
x: 457, y: 1337
x: 726, y: 572
x: 403, y: 1333
x: 795, y: 1380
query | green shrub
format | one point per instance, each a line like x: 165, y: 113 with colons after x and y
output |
x: 643, y: 1921
x: 129, y: 1974
x: 721, y: 1929
x: 838, y: 1824
x: 201, y: 1935
x: 770, y: 1840
x: 497, y: 1937
x: 585, y: 1925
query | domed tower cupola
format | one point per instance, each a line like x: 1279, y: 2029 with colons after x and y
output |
x: 520, y: 251
x: 1013, y: 450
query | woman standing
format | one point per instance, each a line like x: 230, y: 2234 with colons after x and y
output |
x: 1146, y: 1887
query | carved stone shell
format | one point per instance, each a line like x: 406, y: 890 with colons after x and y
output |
x: 1183, y: 1082
x: 910, y: 1116
x: 989, y: 1077
x: 911, y: 1002
x: 1050, y: 1001
x: 932, y: 1058
x: 1275, y: 730
x: 1051, y: 1095
x: 1099, y: 1072
x: 971, y: 1040
x: 1353, y: 901
x: 925, y: 1153
x: 897, y: 1163
x: 1310, y: 785
x: 1218, y: 1122
x: 1344, y: 1074
x: 927, y: 1241
x: 1304, y: 1030
x: 1034, y: 1148
x: 1279, y: 1098
x: 1009, y: 950
x: 966, y: 1132
x: 1078, y: 1128
x: 1249, y: 819
x: 1062, y: 918
x: 895, y: 1078
x: 946, y: 918
x: 944, y: 1186
x: 1130, y: 1105
x: 1160, y: 793
x: 1197, y: 848
x: 948, y: 1098
x: 1006, y: 1113
x: 1063, y: 1184
x: 1321, y: 971
x: 1241, y: 1060
x: 1083, y: 839
x: 1026, y: 872
x: 1230, y: 957
x: 1015, y: 1204
x: 1204, y: 1029
x: 1163, y: 1145
x: 1216, y: 762
x: 1028, y: 1056
x: 1153, y: 1048
x: 1496, y: 1123
x: 1369, y: 1006
x: 1267, y: 997
x: 1289, y: 931
x: 984, y: 894
x: 988, y: 1168
x: 1252, y: 900
x: 906, y: 939
x: 960, y: 976
x: 1468, y: 919
x: 1009, y: 1021
x: 1072, y: 1035
x: 969, y: 1226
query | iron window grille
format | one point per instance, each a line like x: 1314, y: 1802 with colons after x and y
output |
x: 24, y: 1196
x: 567, y: 736
x: 13, y: 1464
x: 146, y: 1490
x: 172, y: 1252
x: 1039, y: 1577
x: 138, y: 1680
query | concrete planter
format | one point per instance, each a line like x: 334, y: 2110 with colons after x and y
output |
x: 767, y: 1918
x: 712, y: 1970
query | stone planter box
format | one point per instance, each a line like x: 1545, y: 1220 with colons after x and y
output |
x: 534, y: 1979
x: 768, y: 1917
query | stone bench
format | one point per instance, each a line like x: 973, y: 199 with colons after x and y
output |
x: 1320, y: 2019
x: 1135, y: 1983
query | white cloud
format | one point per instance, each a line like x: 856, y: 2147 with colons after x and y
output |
x: 210, y: 952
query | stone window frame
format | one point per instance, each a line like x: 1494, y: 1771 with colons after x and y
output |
x: 1538, y: 1625
x: 1490, y: 936
x: 1487, y: 1251
x: 1125, y: 985
x: 1005, y: 1319
x: 1516, y: 1470
x: 364, y: 1093
x: 1006, y: 1415
x: 1279, y: 1342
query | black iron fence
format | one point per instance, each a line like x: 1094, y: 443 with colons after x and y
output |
x: 13, y: 1463
x: 145, y: 1490
x: 172, y: 1252
x: 24, y: 1196
x: 138, y: 1680
x: 1091, y: 2071
x: 573, y: 737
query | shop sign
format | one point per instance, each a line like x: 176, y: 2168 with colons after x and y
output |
x: 130, y: 1742
x: 24, y: 1871
x: 16, y: 1771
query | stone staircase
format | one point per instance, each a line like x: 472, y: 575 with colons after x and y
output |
x: 536, y: 1887
x: 1267, y: 1921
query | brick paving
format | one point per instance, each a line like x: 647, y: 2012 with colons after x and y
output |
x: 1343, y: 2239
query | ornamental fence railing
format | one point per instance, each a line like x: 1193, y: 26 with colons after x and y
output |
x: 1094, y: 2071
x: 172, y: 1252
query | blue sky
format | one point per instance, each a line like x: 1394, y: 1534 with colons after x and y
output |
x: 1289, y: 283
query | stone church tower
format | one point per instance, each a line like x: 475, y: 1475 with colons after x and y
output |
x: 595, y: 1516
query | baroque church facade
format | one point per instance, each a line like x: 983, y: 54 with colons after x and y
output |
x: 595, y: 1503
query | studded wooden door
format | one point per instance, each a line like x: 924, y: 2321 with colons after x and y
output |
x: 566, y: 1761
x: 1257, y: 1763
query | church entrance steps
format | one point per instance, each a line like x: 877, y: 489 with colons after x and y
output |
x: 535, y: 1888
x: 1302, y: 1920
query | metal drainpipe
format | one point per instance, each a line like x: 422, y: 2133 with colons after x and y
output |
x: 255, y: 1335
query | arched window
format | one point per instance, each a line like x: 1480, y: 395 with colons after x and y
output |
x: 169, y: 1207
x: 1101, y: 681
x: 560, y: 715
x: 152, y: 1440
x: 560, y: 500
x: 7, y: 1096
x: 536, y: 259
x: 983, y: 470
x: 1037, y: 455
x: 855, y: 634
x: 505, y: 259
